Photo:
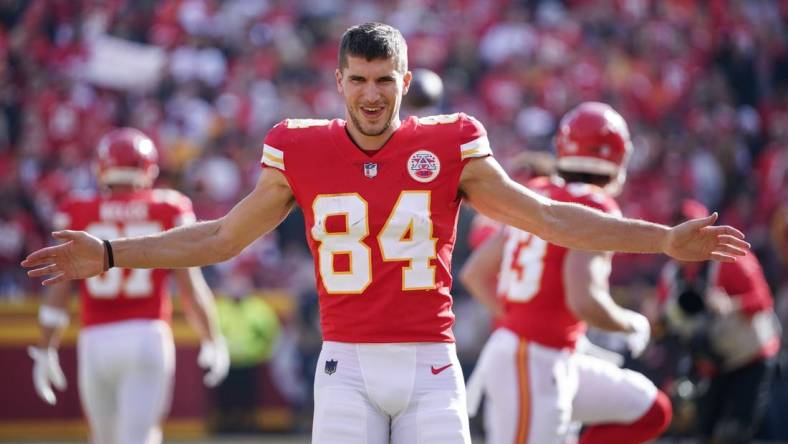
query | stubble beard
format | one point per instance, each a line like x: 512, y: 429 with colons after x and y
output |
x: 360, y: 128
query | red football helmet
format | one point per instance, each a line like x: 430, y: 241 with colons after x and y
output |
x: 126, y: 156
x: 593, y: 138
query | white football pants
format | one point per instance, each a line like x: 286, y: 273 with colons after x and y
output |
x: 380, y: 393
x: 125, y: 380
x: 535, y: 392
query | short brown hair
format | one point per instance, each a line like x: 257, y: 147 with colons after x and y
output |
x: 374, y: 41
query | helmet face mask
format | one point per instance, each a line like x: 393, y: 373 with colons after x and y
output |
x: 593, y: 138
x: 126, y: 156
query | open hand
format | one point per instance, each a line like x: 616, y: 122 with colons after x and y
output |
x: 699, y: 240
x: 80, y: 256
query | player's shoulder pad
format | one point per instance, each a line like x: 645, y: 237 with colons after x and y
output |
x: 178, y: 203
x: 171, y: 198
x: 72, y: 204
x: 76, y: 198
x: 593, y: 196
x: 286, y: 134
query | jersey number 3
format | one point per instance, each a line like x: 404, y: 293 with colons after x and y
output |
x: 523, y: 256
x: 137, y: 283
x: 406, y: 236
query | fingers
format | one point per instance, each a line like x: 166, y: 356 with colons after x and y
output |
x: 44, y: 391
x: 49, y: 269
x: 731, y: 250
x: 56, y: 375
x: 40, y: 257
x: 218, y: 372
x: 722, y: 257
x: 734, y: 241
x: 706, y: 221
x: 697, y: 224
x: 44, y: 255
x: 212, y: 378
x: 55, y: 280
x: 730, y: 231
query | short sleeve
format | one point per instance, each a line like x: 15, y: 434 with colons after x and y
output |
x: 273, y: 152
x: 473, y: 138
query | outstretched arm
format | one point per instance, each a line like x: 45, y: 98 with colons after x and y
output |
x: 82, y: 255
x: 487, y: 187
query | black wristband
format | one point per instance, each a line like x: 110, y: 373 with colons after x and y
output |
x: 110, y: 257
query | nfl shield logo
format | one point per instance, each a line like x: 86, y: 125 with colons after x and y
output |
x: 331, y: 366
x: 370, y: 170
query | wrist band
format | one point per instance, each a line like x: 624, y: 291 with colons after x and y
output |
x: 53, y: 317
x: 110, y: 257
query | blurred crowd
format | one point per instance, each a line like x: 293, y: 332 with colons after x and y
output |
x: 703, y: 84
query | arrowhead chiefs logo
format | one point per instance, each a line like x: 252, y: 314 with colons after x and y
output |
x: 423, y: 166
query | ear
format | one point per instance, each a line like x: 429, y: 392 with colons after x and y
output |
x: 406, y: 82
x: 338, y: 75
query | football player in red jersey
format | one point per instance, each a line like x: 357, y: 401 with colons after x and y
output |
x: 380, y: 197
x: 125, y: 350
x: 536, y: 383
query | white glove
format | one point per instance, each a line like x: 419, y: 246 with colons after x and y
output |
x: 46, y: 373
x: 637, y: 340
x: 215, y: 359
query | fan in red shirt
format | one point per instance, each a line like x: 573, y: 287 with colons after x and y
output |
x: 125, y: 351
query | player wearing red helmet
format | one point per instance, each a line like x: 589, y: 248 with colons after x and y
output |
x: 127, y: 156
x: 547, y: 293
x: 125, y: 350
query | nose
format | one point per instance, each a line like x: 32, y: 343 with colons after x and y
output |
x: 370, y: 92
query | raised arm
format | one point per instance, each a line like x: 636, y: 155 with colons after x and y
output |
x: 83, y: 255
x: 488, y: 189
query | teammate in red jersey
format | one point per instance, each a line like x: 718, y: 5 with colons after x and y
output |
x: 547, y: 294
x: 125, y: 351
x: 380, y: 198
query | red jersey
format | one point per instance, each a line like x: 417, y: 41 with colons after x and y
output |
x: 381, y: 225
x: 531, y: 279
x: 121, y: 294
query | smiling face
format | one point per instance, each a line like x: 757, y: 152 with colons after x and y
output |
x: 373, y: 92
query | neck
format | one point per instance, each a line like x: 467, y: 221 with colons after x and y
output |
x: 371, y: 143
x: 121, y: 189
